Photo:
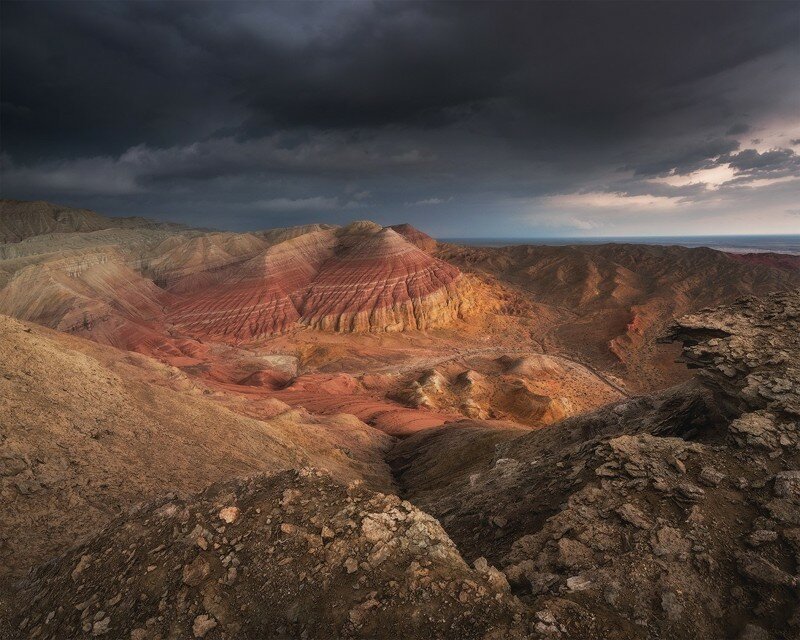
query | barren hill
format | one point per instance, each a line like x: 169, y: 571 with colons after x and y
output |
x: 382, y: 281
x: 415, y: 236
x: 233, y: 287
x: 618, y: 299
x: 779, y: 260
x: 256, y: 297
x: 88, y: 430
x: 490, y: 395
x: 20, y: 219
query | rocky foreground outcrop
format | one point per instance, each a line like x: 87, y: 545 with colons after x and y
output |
x: 293, y: 555
x: 748, y: 353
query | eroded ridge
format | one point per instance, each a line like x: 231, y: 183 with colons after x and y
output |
x: 748, y: 352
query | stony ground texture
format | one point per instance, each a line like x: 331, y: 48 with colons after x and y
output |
x: 293, y: 555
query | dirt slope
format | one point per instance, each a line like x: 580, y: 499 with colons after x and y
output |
x: 86, y: 431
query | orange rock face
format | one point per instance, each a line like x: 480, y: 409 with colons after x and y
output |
x: 382, y: 283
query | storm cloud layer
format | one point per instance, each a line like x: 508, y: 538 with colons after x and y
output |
x: 466, y: 119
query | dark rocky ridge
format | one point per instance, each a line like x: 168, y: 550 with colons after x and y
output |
x: 284, y: 556
x: 747, y: 352
x: 21, y: 219
x: 674, y: 515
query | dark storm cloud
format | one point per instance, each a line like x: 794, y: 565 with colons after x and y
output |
x: 772, y: 161
x: 681, y: 161
x: 660, y: 190
x: 738, y: 129
x: 300, y: 105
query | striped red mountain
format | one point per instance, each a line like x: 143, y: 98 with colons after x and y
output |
x: 359, y: 278
x: 236, y: 287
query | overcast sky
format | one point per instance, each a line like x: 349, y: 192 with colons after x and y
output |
x: 466, y: 119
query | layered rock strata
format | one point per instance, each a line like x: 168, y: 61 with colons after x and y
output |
x: 360, y: 278
x: 258, y: 297
x: 383, y: 283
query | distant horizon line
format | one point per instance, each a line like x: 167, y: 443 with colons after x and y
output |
x: 707, y: 235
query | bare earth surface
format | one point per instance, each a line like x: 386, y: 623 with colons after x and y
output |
x: 324, y: 432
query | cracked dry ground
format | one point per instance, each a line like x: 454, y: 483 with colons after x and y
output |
x: 674, y: 515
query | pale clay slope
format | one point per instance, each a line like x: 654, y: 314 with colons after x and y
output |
x: 533, y: 390
x: 87, y: 430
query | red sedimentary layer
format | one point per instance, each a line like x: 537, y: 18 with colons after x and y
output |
x: 382, y: 282
x: 366, y: 280
x: 254, y: 299
x: 332, y: 394
x: 421, y: 239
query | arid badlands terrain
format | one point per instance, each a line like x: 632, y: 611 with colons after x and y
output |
x: 359, y: 432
